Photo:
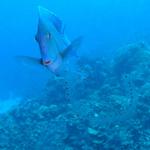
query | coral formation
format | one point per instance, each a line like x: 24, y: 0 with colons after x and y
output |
x: 105, y: 106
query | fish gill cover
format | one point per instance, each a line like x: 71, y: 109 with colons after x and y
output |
x: 107, y: 108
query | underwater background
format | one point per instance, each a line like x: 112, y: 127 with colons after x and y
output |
x: 102, y: 103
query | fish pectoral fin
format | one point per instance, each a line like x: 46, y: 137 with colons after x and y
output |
x: 28, y: 60
x: 71, y: 49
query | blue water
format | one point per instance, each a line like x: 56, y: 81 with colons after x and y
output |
x: 96, y: 93
x: 104, y: 25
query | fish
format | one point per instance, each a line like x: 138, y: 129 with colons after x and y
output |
x: 54, y: 45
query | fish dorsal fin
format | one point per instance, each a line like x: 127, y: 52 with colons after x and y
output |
x: 57, y: 22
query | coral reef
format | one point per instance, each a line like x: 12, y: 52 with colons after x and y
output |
x: 104, y: 106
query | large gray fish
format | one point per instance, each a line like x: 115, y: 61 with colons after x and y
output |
x: 53, y: 43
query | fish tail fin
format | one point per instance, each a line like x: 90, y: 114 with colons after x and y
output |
x: 71, y: 50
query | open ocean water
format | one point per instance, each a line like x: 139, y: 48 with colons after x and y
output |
x: 101, y: 98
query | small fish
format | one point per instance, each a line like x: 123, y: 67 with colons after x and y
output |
x: 53, y: 43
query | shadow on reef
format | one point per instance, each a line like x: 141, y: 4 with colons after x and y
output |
x: 103, y: 106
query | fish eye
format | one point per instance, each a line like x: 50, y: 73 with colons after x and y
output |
x: 48, y: 36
